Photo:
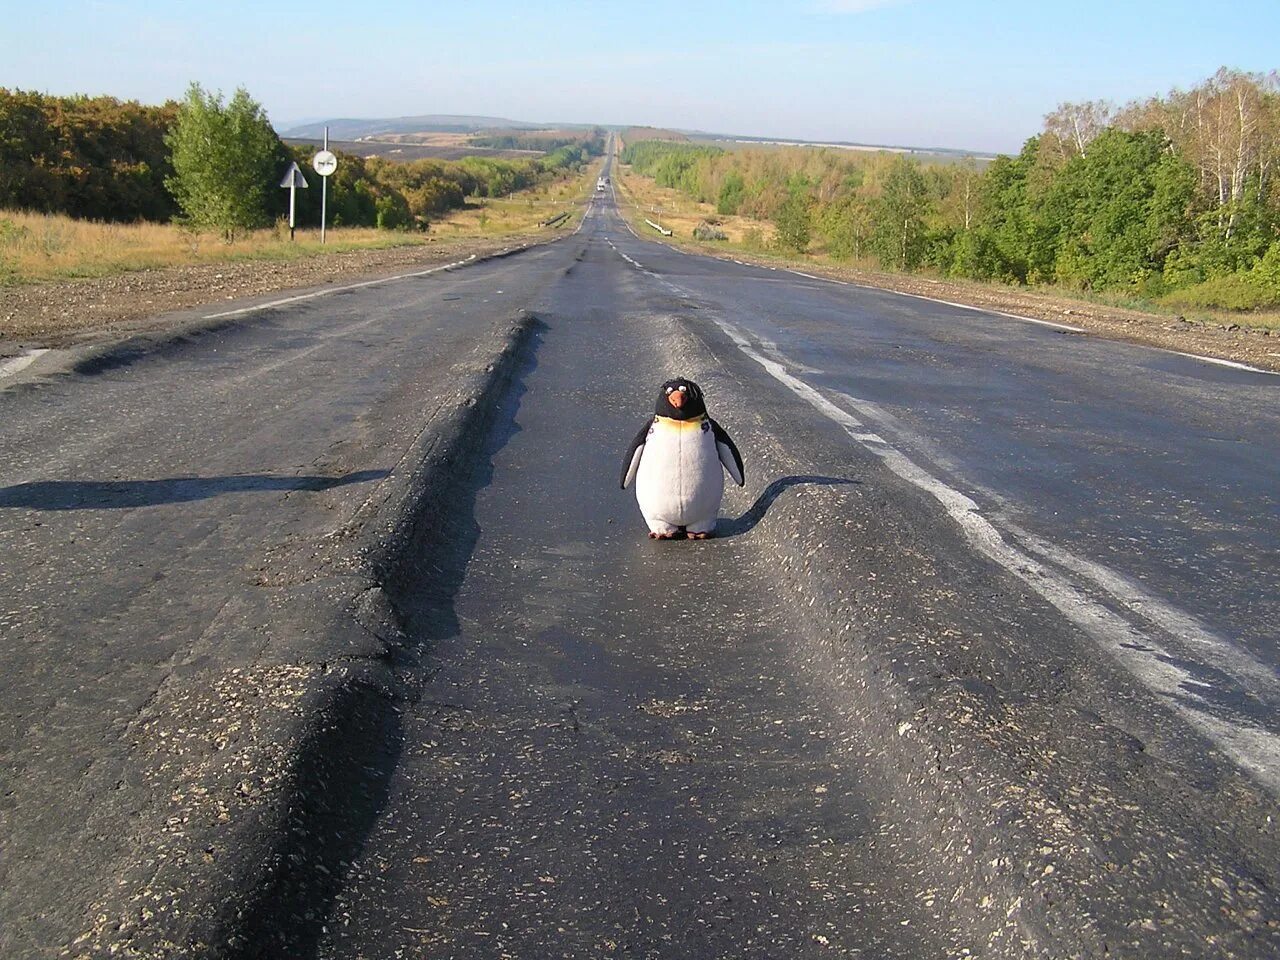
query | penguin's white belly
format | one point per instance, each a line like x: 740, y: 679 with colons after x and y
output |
x: 680, y: 480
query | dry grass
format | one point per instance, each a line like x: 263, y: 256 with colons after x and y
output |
x: 44, y: 247
x: 37, y: 248
x: 642, y: 198
x: 429, y: 138
x: 521, y: 213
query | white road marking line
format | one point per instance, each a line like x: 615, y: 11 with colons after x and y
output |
x: 331, y: 290
x: 849, y: 283
x: 1252, y: 748
x: 800, y: 273
x: 1190, y: 631
x: 14, y: 364
x: 1225, y: 363
x: 1067, y: 328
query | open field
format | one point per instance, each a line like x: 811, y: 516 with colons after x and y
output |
x: 36, y: 248
x: 642, y: 198
x: 85, y: 281
x: 521, y: 212
x: 451, y: 146
x: 940, y: 155
x: 39, y: 248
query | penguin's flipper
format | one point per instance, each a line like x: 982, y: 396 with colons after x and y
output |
x: 631, y: 462
x: 729, y: 454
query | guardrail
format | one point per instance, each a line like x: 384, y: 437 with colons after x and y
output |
x: 556, y: 221
x: 661, y: 229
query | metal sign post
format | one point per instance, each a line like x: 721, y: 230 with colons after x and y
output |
x: 325, y: 163
x: 293, y: 179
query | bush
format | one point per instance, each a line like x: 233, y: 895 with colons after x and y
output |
x: 732, y: 190
x: 1235, y: 291
x: 793, y: 222
x: 705, y: 231
x: 1265, y: 274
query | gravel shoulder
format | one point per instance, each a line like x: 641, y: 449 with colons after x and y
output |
x: 107, y: 308
x: 1255, y: 346
x: 56, y: 315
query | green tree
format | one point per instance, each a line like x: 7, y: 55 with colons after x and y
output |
x: 1004, y: 224
x: 732, y: 190
x: 900, y: 211
x: 846, y: 226
x: 793, y: 222
x: 224, y: 158
x: 1117, y: 210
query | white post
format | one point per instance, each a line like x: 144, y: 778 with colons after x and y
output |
x: 293, y: 194
x: 324, y: 190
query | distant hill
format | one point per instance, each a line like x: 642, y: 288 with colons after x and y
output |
x: 730, y: 140
x: 633, y: 134
x: 353, y: 129
x: 374, y: 128
x: 350, y: 129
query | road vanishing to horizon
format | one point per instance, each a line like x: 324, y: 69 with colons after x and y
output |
x: 328, y: 632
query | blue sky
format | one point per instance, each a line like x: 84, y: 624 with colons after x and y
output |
x: 918, y: 72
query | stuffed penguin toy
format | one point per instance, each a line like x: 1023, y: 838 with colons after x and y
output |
x: 675, y: 461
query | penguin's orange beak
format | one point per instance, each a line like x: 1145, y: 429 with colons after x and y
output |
x: 676, y: 399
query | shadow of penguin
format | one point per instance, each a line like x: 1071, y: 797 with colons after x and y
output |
x: 737, y: 526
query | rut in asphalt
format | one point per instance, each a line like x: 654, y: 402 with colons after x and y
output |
x: 610, y: 749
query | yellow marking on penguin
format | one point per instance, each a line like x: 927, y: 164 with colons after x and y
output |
x: 673, y: 424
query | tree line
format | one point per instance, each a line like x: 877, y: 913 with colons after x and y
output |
x: 216, y: 162
x: 545, y: 141
x: 1168, y: 198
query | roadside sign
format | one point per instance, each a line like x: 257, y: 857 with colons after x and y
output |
x: 293, y: 179
x: 325, y: 162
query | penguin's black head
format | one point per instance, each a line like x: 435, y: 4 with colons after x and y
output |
x: 681, y: 399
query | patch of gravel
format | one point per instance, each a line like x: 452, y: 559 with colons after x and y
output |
x: 87, y: 311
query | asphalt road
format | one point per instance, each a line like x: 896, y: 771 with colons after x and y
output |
x: 151, y: 517
x: 992, y: 622
x: 626, y: 747
x: 1142, y: 488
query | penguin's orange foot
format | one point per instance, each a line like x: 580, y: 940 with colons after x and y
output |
x: 697, y: 536
x: 661, y: 536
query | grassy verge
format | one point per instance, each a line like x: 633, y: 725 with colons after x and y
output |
x: 41, y: 248
x: 522, y: 212
x: 37, y: 248
x: 640, y: 198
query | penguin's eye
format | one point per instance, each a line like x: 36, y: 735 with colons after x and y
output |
x: 683, y: 390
